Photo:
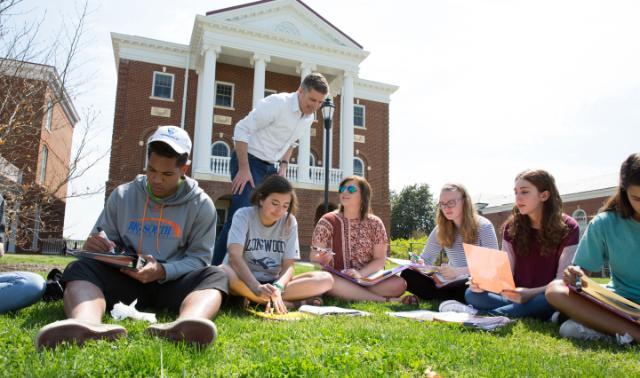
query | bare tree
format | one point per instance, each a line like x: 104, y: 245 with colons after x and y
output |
x: 37, y: 121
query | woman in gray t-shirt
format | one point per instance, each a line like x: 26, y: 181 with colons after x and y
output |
x: 263, y: 247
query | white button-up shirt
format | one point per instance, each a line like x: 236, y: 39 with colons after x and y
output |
x: 273, y: 126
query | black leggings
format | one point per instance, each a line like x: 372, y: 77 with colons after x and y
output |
x: 425, y: 288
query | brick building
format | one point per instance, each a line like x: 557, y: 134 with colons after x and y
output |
x: 36, y: 124
x: 234, y: 58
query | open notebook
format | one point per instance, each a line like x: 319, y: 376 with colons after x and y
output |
x: 370, y: 280
x: 430, y: 272
x: 487, y: 323
x: 124, y: 261
x: 607, y: 299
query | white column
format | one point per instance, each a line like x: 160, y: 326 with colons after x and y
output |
x: 304, y: 148
x: 259, y: 62
x: 346, y: 127
x: 204, y: 110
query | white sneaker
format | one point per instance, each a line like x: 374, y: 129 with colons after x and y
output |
x: 574, y: 330
x: 455, y: 306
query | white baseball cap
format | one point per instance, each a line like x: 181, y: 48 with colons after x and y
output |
x: 176, y: 137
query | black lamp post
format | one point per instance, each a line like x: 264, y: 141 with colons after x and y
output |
x: 327, y: 114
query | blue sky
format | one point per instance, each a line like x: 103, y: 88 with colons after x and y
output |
x: 487, y: 87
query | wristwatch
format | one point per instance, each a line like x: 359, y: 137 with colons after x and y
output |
x: 279, y: 286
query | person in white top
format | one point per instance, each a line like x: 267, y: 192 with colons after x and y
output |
x: 266, y: 136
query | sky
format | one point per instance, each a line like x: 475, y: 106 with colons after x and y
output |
x: 488, y: 88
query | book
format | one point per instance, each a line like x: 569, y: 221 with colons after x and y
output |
x: 331, y: 310
x: 487, y: 323
x: 430, y: 271
x: 489, y: 268
x: 123, y: 261
x: 607, y: 299
x: 370, y: 280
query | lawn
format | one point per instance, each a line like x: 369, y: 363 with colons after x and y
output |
x: 358, y: 347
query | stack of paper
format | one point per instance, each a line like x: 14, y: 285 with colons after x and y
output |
x: 331, y: 310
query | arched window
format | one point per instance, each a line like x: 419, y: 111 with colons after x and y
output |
x: 312, y: 160
x: 358, y: 167
x: 220, y: 148
x: 581, y: 218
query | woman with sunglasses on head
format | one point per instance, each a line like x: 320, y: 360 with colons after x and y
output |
x: 613, y: 238
x: 457, y: 222
x: 540, y: 242
x: 263, y: 247
x: 359, y: 242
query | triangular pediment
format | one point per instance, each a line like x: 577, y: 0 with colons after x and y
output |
x: 292, y: 18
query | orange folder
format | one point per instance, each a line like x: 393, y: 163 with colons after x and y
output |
x: 489, y: 268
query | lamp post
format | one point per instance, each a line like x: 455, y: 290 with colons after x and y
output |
x: 327, y: 114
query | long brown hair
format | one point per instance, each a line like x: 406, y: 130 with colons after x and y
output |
x: 629, y: 175
x: 552, y: 226
x: 468, y: 228
x: 365, y: 195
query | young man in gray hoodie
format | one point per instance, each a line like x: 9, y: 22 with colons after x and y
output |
x: 167, y: 219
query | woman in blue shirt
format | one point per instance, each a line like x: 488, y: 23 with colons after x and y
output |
x: 613, y: 236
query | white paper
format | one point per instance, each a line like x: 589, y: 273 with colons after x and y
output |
x: 121, y: 311
x: 331, y: 310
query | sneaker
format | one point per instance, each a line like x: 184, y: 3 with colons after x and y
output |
x: 197, y: 331
x: 558, y: 318
x: 574, y: 330
x: 455, y: 306
x: 76, y: 331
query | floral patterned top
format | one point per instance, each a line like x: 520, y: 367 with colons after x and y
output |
x: 359, y: 238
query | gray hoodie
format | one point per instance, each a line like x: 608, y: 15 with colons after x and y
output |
x: 179, y: 231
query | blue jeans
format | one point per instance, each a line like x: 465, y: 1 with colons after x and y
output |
x: 494, y: 304
x: 259, y: 170
x: 20, y: 289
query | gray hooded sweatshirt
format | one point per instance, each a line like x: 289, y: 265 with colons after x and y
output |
x: 179, y: 231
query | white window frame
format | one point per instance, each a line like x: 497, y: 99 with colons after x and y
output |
x: 312, y: 163
x: 49, y: 119
x: 44, y: 158
x: 221, y: 142
x: 215, y: 95
x: 153, y: 85
x: 364, y: 116
x: 364, y: 167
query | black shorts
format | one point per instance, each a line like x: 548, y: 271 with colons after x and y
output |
x: 118, y: 287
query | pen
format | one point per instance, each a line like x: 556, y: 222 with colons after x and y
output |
x: 104, y: 235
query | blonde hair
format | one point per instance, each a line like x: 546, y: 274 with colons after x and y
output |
x: 468, y: 228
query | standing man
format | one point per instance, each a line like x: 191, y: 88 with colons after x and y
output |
x: 165, y: 217
x: 265, y: 137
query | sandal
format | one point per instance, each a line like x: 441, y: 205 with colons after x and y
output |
x: 410, y: 300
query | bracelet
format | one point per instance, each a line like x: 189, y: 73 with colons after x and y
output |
x: 279, y: 286
x: 283, y: 162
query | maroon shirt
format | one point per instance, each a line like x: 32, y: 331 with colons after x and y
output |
x: 535, y: 269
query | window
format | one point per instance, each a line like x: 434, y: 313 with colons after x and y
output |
x: 49, y: 119
x: 43, y: 164
x: 312, y: 160
x: 358, y: 167
x: 269, y: 92
x: 224, y: 94
x: 358, y: 116
x: 219, y: 149
x: 162, y: 85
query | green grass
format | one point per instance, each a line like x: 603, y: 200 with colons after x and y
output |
x: 358, y: 347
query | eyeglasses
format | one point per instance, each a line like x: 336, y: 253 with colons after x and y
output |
x: 350, y: 188
x: 450, y: 204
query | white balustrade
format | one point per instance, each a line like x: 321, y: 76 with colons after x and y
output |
x: 219, y: 166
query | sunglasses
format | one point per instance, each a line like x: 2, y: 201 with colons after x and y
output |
x: 351, y: 189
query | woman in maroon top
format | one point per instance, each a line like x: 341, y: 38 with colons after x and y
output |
x: 359, y: 242
x: 540, y: 241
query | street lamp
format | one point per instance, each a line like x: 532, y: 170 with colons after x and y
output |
x: 327, y: 114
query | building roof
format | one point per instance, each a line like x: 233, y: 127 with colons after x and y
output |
x: 37, y: 71
x: 246, y: 5
x: 576, y: 190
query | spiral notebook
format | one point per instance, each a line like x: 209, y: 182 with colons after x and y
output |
x: 123, y: 261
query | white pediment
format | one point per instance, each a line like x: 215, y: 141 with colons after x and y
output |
x: 288, y: 17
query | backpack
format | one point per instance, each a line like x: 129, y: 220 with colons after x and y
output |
x: 55, y: 288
